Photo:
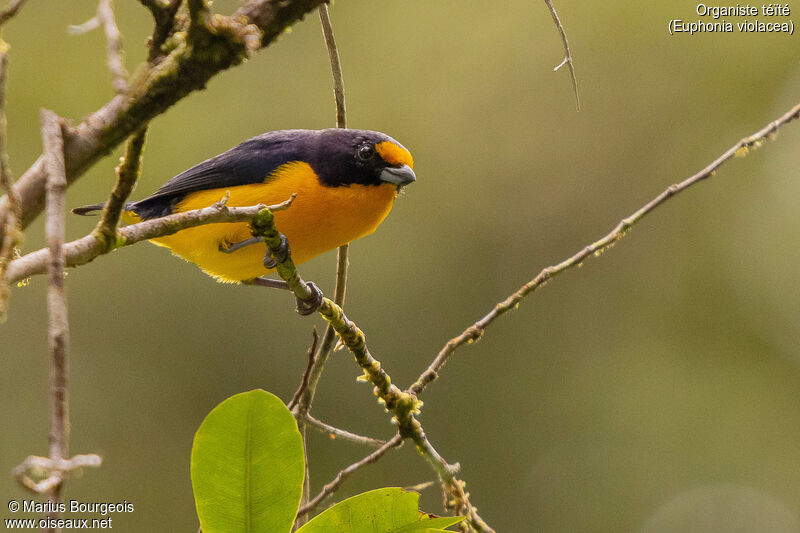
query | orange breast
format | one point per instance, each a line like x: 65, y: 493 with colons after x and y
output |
x: 320, y: 219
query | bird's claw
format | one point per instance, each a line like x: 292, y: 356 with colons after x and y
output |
x: 273, y: 258
x: 310, y: 306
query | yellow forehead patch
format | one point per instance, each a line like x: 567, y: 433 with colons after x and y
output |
x: 394, y: 154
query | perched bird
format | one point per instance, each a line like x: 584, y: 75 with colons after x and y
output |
x: 345, y: 181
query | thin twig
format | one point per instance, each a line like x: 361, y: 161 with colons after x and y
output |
x: 419, y: 487
x: 13, y: 231
x: 342, y: 259
x: 119, y: 76
x: 50, y: 472
x: 336, y: 66
x: 343, y: 474
x: 304, y: 382
x: 303, y: 404
x: 85, y: 249
x: 58, y: 331
x: 476, y: 330
x: 343, y: 434
x: 79, y: 29
x: 105, y: 17
x: 567, y: 54
x: 11, y: 11
x: 127, y: 175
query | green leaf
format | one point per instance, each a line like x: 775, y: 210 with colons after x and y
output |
x: 248, y: 466
x: 431, y: 524
x: 389, y: 510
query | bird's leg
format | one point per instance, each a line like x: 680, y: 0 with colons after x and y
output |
x: 304, y: 307
x: 239, y: 245
x: 271, y: 259
x: 268, y: 282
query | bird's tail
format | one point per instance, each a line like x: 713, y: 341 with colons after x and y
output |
x: 88, y: 210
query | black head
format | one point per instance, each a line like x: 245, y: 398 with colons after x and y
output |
x: 363, y: 157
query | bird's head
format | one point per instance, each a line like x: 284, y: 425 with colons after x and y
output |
x: 363, y: 157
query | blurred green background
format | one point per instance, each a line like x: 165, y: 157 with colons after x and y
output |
x: 656, y: 389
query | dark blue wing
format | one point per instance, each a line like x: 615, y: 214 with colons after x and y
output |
x: 250, y: 162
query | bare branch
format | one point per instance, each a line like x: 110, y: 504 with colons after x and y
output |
x: 85, y: 249
x: 567, y: 54
x: 343, y: 474
x: 314, y: 373
x: 336, y: 66
x: 342, y: 259
x: 79, y: 29
x: 419, y: 487
x: 13, y: 233
x: 476, y: 330
x: 119, y: 76
x: 51, y: 472
x: 304, y: 382
x: 58, y: 331
x: 105, y: 18
x: 341, y: 433
x: 11, y: 11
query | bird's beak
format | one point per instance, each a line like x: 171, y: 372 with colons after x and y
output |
x: 400, y: 176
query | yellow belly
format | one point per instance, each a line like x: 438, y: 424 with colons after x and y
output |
x: 320, y: 219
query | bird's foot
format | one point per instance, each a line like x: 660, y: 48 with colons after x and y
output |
x: 310, y: 306
x: 281, y: 254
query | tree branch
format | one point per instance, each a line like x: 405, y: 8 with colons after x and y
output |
x: 127, y: 176
x: 302, y: 403
x: 55, y: 470
x: 119, y: 76
x: 567, y: 54
x: 158, y: 86
x: 476, y: 330
x: 336, y: 65
x: 343, y: 474
x: 342, y: 260
x: 341, y: 433
x: 11, y: 222
x: 403, y: 405
x: 85, y: 249
x: 11, y: 11
x: 163, y: 12
x: 104, y: 17
x: 58, y: 331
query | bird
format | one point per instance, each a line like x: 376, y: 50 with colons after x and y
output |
x: 345, y: 182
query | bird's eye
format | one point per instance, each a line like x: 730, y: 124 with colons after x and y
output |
x: 366, y: 152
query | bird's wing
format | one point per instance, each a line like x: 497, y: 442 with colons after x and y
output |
x: 253, y: 161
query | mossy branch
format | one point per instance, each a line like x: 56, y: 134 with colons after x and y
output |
x: 127, y: 175
x: 184, y: 68
x: 85, y: 249
x: 403, y: 405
